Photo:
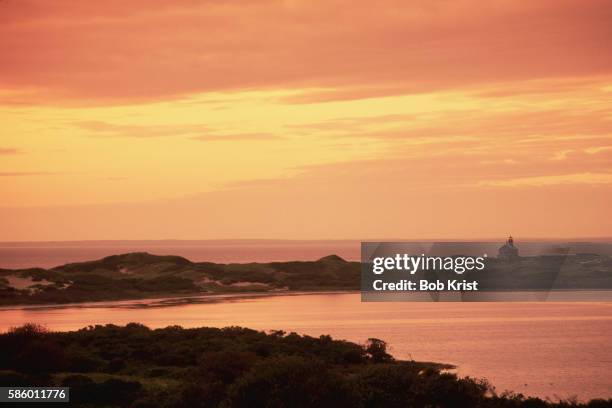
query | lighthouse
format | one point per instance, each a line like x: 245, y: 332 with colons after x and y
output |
x: 508, y: 251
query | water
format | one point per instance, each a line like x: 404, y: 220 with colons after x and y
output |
x: 49, y: 254
x: 543, y: 349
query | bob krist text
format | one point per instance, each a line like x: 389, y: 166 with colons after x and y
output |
x: 410, y: 265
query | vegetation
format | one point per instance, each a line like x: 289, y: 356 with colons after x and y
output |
x: 134, y: 366
x: 141, y: 275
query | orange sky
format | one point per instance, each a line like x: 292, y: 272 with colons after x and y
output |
x: 304, y: 119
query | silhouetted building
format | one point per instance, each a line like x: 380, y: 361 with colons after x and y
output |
x: 508, y: 251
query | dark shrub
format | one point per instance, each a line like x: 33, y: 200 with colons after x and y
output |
x: 225, y: 366
x: 116, y: 391
x: 77, y: 380
x: 12, y: 379
x: 600, y: 403
x: 40, y: 356
x: 82, y: 388
x: 377, y: 350
x: 387, y: 385
x: 290, y: 382
x: 534, y: 403
x: 82, y: 362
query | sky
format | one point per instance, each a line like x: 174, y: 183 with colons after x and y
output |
x: 309, y: 119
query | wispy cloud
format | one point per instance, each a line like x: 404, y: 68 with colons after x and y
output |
x: 9, y: 151
x: 198, y: 132
x: 106, y: 129
x: 562, y: 179
x: 25, y: 173
x: 236, y: 136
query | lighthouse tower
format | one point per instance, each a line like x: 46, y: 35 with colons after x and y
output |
x: 508, y: 251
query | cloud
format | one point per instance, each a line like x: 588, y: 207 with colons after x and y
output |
x: 9, y: 151
x: 105, y: 129
x: 550, y: 87
x: 24, y: 173
x: 562, y: 179
x: 597, y: 149
x: 538, y: 133
x: 350, y: 124
x: 116, y: 51
x: 236, y: 136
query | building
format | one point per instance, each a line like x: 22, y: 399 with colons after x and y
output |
x: 508, y: 251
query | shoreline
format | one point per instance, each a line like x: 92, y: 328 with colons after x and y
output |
x: 169, y: 300
x: 172, y: 300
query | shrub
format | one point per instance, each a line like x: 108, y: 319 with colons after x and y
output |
x: 290, y: 382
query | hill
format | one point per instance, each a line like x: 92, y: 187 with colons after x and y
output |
x: 140, y: 275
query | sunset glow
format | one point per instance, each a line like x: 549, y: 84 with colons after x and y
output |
x: 300, y: 119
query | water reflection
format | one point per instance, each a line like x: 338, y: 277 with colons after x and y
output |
x: 545, y: 349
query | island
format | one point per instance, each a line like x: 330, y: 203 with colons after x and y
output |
x: 142, y: 275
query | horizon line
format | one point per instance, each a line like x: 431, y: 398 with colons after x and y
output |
x: 394, y: 239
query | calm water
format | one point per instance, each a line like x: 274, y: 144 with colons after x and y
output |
x: 50, y: 254
x: 544, y: 349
